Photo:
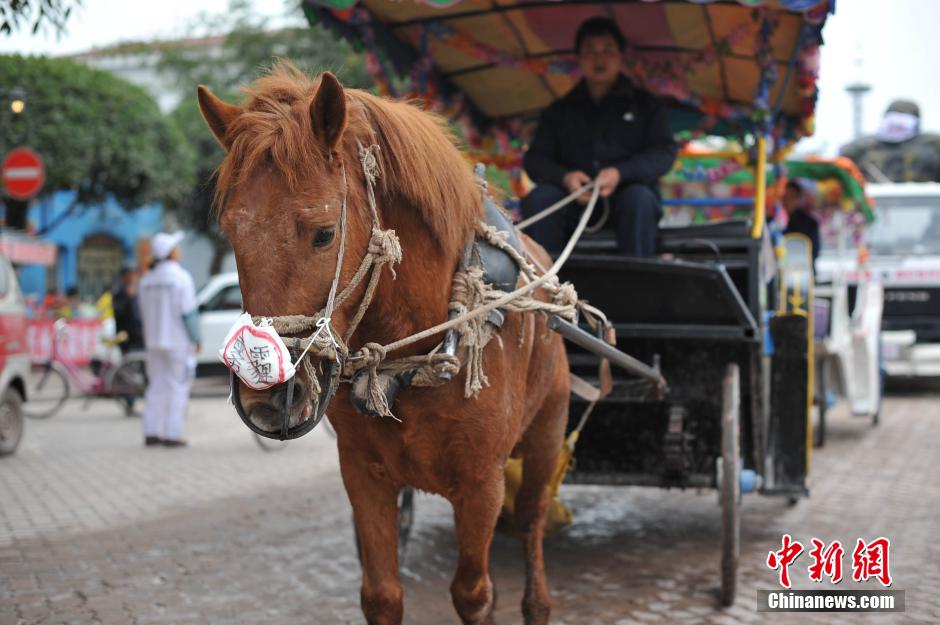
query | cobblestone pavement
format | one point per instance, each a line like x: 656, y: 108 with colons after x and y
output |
x: 94, y: 528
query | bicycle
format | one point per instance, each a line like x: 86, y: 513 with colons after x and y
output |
x: 50, y: 384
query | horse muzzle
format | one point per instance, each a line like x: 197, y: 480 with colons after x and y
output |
x: 288, y: 410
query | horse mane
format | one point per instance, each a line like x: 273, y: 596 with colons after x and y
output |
x: 418, y: 158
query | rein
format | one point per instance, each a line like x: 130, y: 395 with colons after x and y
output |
x: 425, y: 370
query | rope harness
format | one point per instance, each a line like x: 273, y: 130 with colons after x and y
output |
x: 369, y: 369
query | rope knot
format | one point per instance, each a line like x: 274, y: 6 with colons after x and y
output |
x: 370, y: 165
x: 372, y: 355
x: 468, y: 289
x: 385, y: 247
x: 470, y: 292
x: 493, y: 236
x: 565, y: 295
x: 376, y: 400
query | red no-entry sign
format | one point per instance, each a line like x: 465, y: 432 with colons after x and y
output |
x: 23, y: 173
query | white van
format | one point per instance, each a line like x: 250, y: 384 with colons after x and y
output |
x: 904, y: 243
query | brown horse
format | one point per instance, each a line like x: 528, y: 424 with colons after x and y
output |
x: 292, y: 160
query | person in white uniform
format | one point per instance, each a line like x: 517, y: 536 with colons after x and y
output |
x: 170, y: 319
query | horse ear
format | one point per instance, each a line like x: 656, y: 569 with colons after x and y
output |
x: 328, y: 111
x: 218, y: 114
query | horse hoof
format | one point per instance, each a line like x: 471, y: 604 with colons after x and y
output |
x: 536, y: 614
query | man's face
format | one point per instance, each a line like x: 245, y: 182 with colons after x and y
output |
x: 791, y: 199
x: 599, y: 59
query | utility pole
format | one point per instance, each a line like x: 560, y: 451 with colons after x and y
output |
x: 857, y: 91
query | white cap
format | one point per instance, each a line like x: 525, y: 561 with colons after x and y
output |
x: 162, y: 244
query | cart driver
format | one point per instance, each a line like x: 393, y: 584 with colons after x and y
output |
x: 607, y: 129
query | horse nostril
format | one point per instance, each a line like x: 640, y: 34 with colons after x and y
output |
x: 280, y: 394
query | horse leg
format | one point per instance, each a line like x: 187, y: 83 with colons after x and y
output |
x: 476, y: 509
x: 540, y: 449
x: 375, y: 508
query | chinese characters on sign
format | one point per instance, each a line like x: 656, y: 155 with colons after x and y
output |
x: 869, y: 560
x: 254, y: 360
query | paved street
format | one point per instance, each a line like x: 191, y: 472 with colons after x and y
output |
x: 94, y: 528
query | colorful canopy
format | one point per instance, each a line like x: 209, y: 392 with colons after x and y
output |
x: 833, y: 186
x: 832, y: 182
x: 729, y: 63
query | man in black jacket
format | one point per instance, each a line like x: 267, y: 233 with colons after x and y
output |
x: 605, y: 129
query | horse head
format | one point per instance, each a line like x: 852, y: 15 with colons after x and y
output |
x: 300, y: 200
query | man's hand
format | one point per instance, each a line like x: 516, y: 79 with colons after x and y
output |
x: 574, y: 180
x: 607, y: 180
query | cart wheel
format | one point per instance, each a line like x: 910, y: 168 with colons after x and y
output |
x: 406, y: 517
x: 11, y: 421
x: 730, y: 484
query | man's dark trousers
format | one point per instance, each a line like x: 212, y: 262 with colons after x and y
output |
x: 635, y: 211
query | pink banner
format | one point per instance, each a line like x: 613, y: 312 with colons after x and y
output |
x: 75, y: 344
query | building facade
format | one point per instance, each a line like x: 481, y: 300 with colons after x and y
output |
x: 93, y: 242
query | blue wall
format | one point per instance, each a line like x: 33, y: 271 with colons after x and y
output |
x: 70, y: 231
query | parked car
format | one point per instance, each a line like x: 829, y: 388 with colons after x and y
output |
x: 220, y: 304
x: 14, y: 359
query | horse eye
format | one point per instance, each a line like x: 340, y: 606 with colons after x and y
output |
x: 322, y: 237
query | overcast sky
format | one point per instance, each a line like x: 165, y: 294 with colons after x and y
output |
x: 892, y: 45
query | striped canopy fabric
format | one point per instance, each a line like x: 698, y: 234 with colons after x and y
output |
x: 731, y: 62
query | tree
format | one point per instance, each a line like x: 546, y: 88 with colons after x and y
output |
x: 97, y: 134
x: 195, y: 211
x: 248, y: 47
x: 40, y: 13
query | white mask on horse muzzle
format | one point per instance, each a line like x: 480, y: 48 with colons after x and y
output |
x: 262, y: 359
x: 256, y: 354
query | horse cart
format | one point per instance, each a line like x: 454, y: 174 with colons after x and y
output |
x: 725, y: 329
x: 847, y: 301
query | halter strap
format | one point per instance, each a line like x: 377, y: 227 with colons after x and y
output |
x: 384, y: 248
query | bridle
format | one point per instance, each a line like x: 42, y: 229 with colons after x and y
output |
x: 324, y: 343
x: 441, y: 363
